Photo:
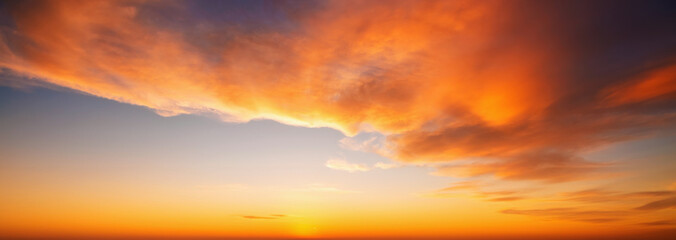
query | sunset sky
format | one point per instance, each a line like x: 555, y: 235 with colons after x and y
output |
x: 485, y: 119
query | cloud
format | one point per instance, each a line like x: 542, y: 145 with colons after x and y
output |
x: 659, y: 205
x: 650, y: 194
x: 440, y: 80
x: 474, y: 189
x: 652, y: 85
x: 601, y: 205
x: 505, y: 199
x: 659, y: 223
x: 572, y: 214
x: 464, y: 185
x: 600, y: 213
x: 342, y: 165
x: 546, y: 166
x: 268, y: 217
x: 601, y: 195
x: 383, y: 165
x: 457, y: 189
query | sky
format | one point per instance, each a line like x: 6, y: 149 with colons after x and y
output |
x: 338, y: 119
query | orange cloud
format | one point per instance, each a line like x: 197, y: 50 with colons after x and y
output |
x: 660, y: 204
x: 659, y: 223
x: 572, y: 214
x: 442, y: 80
x: 505, y: 199
x: 466, y: 185
x: 547, y: 166
x: 600, y: 195
x: 656, y: 84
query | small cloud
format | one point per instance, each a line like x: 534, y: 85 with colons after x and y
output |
x: 498, y: 193
x: 353, y: 144
x: 375, y: 144
x: 383, y: 165
x: 340, y: 164
x: 600, y: 220
x: 466, y: 185
x: 505, y: 199
x: 268, y: 217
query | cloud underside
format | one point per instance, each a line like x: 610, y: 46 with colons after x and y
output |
x: 442, y: 80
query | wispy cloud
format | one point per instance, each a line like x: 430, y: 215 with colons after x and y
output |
x: 342, y: 165
x: 659, y: 223
x: 475, y: 189
x: 265, y: 217
x: 465, y: 185
x: 620, y: 209
x: 659, y: 205
x: 546, y: 166
x: 383, y: 165
x: 601, y: 195
x: 573, y: 214
x: 505, y: 199
x: 372, y: 144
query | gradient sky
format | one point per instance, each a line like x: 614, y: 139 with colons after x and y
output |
x: 325, y: 119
